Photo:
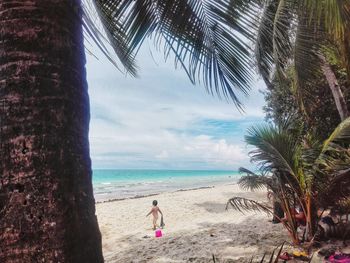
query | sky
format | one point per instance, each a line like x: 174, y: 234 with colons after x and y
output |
x: 161, y: 121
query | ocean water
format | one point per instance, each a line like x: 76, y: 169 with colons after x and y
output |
x: 120, y: 184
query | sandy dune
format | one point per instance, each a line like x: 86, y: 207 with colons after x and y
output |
x: 197, y: 226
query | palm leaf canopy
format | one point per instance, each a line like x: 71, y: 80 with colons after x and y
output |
x: 293, y: 32
x: 335, y: 152
x: 335, y: 13
x: 281, y: 151
x: 209, y: 38
x: 276, y: 148
x: 332, y: 166
x: 273, y: 47
x: 252, y: 181
x: 301, y: 161
x: 264, y: 42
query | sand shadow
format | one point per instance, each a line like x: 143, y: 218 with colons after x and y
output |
x: 257, y: 195
x: 220, y: 207
x: 213, y: 207
x: 229, y: 242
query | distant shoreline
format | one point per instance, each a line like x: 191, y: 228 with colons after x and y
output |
x: 120, y: 185
x: 148, y: 195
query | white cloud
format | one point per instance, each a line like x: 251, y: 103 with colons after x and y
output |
x: 151, y: 122
x: 162, y: 155
x: 218, y: 152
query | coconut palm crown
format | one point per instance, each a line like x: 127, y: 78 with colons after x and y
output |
x: 297, y: 36
x: 298, y: 170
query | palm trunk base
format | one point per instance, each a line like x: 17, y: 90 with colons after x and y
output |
x: 47, y: 209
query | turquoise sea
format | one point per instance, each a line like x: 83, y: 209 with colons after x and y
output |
x: 120, y: 184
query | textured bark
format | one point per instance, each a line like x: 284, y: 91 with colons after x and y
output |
x: 335, y: 88
x: 47, y: 210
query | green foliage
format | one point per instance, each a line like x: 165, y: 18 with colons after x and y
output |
x: 298, y: 169
x: 332, y: 167
x: 205, y: 37
x: 313, y: 106
x: 275, y: 147
x: 281, y: 103
x: 252, y: 181
x: 292, y: 32
x: 334, y: 14
x: 294, y: 37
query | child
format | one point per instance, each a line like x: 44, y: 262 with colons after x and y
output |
x: 154, y: 211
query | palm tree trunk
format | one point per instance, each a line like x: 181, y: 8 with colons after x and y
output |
x: 47, y: 210
x: 277, y: 212
x: 335, y: 88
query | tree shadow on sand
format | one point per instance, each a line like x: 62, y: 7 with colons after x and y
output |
x: 229, y: 243
x: 213, y: 207
x: 220, y: 207
x: 258, y: 195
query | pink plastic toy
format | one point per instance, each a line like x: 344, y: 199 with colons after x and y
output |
x: 159, y: 233
x: 340, y: 258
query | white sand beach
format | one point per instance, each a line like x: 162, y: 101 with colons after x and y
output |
x: 196, y: 227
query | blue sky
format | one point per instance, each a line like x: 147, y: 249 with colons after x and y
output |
x: 161, y: 121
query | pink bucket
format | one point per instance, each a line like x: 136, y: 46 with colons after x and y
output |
x: 159, y: 233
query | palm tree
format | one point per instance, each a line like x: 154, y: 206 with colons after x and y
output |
x: 295, y: 33
x: 47, y: 210
x: 299, y: 171
x: 252, y: 181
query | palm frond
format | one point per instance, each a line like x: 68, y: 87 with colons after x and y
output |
x: 252, y: 181
x: 334, y: 14
x: 340, y: 135
x: 333, y: 166
x: 333, y: 189
x: 264, y: 43
x: 243, y: 204
x: 281, y: 33
x: 275, y: 148
x: 205, y: 37
x: 307, y: 46
x: 310, y: 153
x: 246, y: 171
x: 278, y: 150
x: 115, y: 33
x: 274, y: 38
x: 278, y: 254
x: 274, y: 258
